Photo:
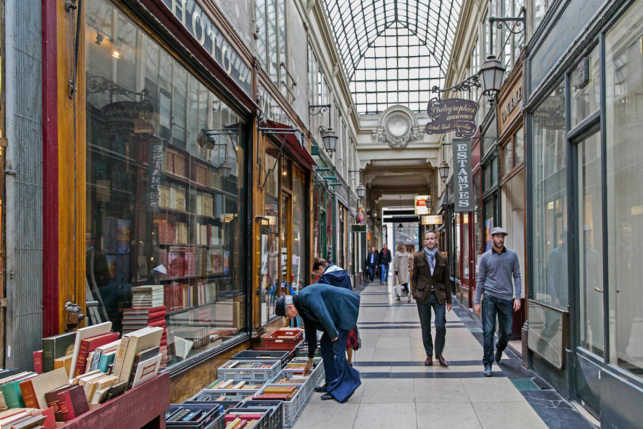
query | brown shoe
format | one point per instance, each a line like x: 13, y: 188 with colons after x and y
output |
x: 442, y: 360
x: 428, y: 361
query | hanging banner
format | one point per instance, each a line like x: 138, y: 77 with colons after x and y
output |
x: 454, y: 114
x: 462, y: 181
x: 421, y: 207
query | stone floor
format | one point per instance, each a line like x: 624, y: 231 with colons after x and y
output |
x: 399, y: 392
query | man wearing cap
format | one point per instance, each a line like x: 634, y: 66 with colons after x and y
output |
x: 497, y: 267
x: 334, y: 311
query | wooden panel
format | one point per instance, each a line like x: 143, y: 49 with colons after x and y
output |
x: 71, y: 163
x: 132, y: 410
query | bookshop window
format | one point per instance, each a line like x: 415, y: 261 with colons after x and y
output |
x: 270, y: 290
x: 165, y: 191
x: 299, y: 240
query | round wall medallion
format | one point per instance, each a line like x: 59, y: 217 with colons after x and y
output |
x: 398, y: 125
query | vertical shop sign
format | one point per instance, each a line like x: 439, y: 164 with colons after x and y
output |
x: 199, y: 25
x: 463, y: 183
x: 156, y: 161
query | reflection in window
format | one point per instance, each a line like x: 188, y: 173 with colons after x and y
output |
x: 164, y: 192
x: 624, y: 109
x: 549, y: 246
x: 270, y: 17
x: 269, y: 241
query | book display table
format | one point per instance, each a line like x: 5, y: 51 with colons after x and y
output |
x: 142, y: 406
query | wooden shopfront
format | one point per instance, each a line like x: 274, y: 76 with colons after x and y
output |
x: 148, y: 139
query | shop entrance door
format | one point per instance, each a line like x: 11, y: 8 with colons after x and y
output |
x: 590, y: 345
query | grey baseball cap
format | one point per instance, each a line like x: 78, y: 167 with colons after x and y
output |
x: 498, y: 230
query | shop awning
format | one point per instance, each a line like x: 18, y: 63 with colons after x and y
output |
x: 292, y: 144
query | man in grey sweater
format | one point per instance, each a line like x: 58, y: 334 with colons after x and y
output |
x: 497, y: 267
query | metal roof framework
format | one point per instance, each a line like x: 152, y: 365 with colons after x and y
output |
x: 393, y: 51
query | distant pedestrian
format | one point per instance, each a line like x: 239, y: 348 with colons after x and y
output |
x: 401, y: 267
x: 385, y: 260
x: 497, y: 267
x: 372, y: 261
x: 334, y: 311
x: 431, y: 288
x: 333, y: 275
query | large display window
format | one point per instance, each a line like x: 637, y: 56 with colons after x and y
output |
x: 165, y: 190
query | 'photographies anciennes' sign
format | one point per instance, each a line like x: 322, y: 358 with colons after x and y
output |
x: 462, y: 183
x: 454, y: 114
x: 208, y: 35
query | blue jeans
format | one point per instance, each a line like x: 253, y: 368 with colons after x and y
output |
x: 384, y: 273
x: 424, y: 310
x: 503, y: 308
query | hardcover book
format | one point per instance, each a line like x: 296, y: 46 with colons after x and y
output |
x: 56, y: 347
x: 73, y: 402
x: 89, y: 331
x: 34, y: 390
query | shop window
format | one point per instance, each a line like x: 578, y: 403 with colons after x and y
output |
x: 624, y: 86
x: 519, y: 147
x: 549, y: 227
x: 270, y: 288
x: 165, y: 188
x: 507, y: 158
x: 585, y: 88
x: 300, y: 235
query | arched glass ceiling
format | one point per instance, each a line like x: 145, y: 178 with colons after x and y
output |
x: 419, y: 33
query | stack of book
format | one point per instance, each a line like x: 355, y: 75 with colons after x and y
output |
x: 27, y: 418
x: 150, y: 296
x: 245, y: 420
x: 280, y: 393
x: 140, y: 317
x: 233, y: 385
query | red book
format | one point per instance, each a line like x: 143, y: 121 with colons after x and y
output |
x: 50, y: 422
x: 54, y: 403
x: 28, y: 394
x: 37, y: 361
x: 89, y: 345
x: 273, y: 396
x: 73, y: 402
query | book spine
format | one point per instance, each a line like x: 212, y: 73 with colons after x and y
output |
x: 64, y: 403
x: 137, y: 359
x: 82, y: 358
x: 96, y: 361
x: 53, y: 402
x: 12, y: 395
x: 28, y: 394
x: 47, y: 354
x: 37, y: 361
x: 120, y: 356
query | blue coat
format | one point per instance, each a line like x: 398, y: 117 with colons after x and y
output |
x: 326, y: 308
x: 336, y: 276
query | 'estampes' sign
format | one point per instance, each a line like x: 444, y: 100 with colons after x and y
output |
x: 454, y: 114
x: 462, y: 182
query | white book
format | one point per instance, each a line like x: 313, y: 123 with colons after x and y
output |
x: 147, y: 369
x: 82, y: 333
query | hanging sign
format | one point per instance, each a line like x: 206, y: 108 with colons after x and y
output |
x: 421, y: 207
x: 208, y: 35
x: 462, y: 182
x: 454, y: 114
x: 432, y: 220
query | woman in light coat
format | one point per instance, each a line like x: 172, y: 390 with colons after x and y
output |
x: 401, y: 266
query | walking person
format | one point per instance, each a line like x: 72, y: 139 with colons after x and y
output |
x: 430, y: 289
x: 372, y: 261
x: 385, y: 260
x: 334, y: 311
x: 497, y: 267
x: 333, y: 275
x: 402, y: 274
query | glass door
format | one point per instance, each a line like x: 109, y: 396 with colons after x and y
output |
x: 589, y: 230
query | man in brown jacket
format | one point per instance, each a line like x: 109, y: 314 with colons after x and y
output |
x: 430, y: 287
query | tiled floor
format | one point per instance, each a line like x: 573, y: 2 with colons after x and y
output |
x: 399, y: 392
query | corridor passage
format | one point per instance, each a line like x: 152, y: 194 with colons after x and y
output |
x: 399, y: 392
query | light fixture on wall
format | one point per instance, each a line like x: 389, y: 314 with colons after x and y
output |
x: 443, y: 170
x: 361, y: 191
x: 328, y: 135
x: 491, y: 73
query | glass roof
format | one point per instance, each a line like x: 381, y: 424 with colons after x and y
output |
x: 393, y: 51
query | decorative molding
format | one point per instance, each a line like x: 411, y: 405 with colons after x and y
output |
x: 397, y: 128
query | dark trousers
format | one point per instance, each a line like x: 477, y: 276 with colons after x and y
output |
x: 342, y: 378
x: 371, y: 271
x: 424, y: 310
x: 503, y: 309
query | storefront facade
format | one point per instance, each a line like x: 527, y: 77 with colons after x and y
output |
x: 183, y: 166
x: 584, y: 206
